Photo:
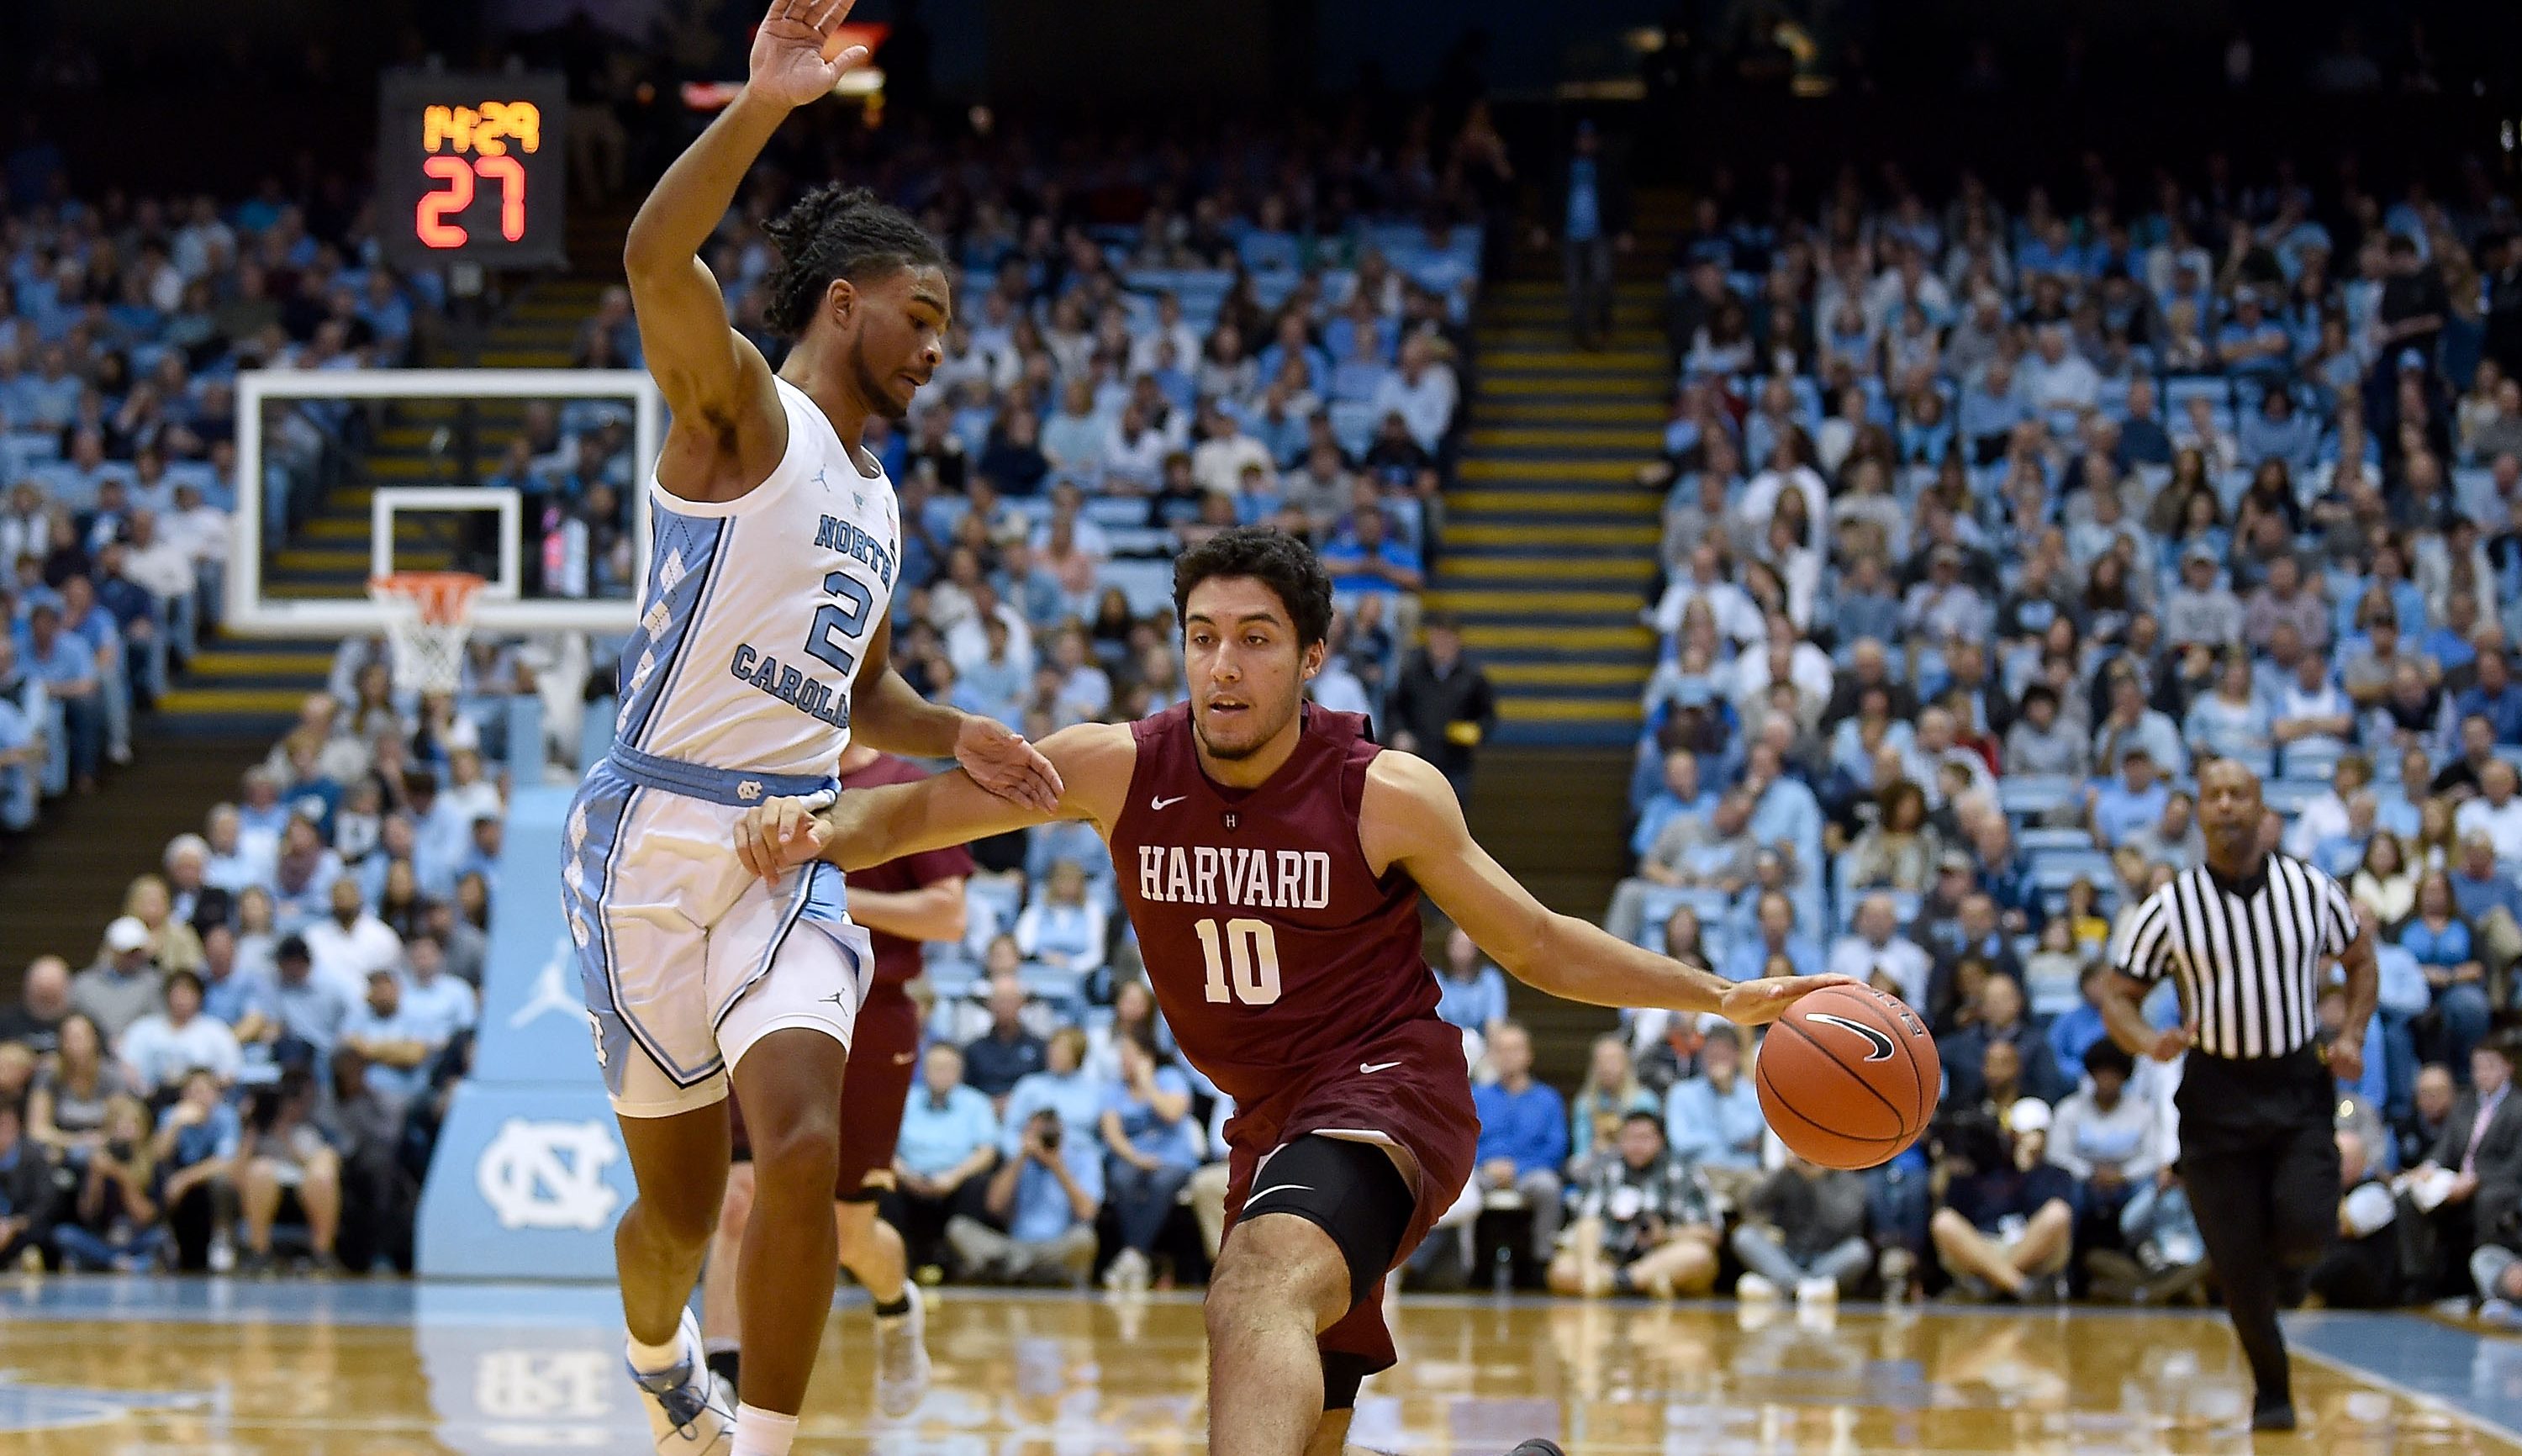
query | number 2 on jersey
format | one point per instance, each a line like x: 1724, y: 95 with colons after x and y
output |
x: 1245, y: 968
x: 849, y: 615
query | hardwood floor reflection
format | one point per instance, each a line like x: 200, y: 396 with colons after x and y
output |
x: 399, y: 1373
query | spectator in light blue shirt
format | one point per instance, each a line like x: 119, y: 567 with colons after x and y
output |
x: 2128, y: 803
x: 436, y: 1004
x: 2277, y: 431
x: 1063, y: 1086
x: 1990, y: 410
x: 2252, y: 344
x: 1714, y: 1118
x: 67, y: 668
x: 949, y: 1130
x: 1048, y: 1192
x: 1775, y: 937
x: 1153, y: 1148
x: 2495, y: 697
x: 1061, y: 928
x: 1784, y: 811
x: 244, y: 1000
x: 397, y: 1048
x: 1471, y: 993
x: 1365, y: 559
x: 1524, y: 1135
x: 1681, y: 795
x: 2233, y: 721
x: 21, y: 762
x: 2132, y: 726
x: 313, y: 1010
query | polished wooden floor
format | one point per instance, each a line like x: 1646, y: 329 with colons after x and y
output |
x: 155, y: 1368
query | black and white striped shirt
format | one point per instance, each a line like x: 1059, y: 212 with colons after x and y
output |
x: 2248, y: 953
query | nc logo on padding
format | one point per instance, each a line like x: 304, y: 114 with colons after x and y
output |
x: 548, y: 1175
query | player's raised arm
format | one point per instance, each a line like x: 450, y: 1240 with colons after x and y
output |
x: 868, y: 826
x: 1411, y: 819
x: 729, y: 429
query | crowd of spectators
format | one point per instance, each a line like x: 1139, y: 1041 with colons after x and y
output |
x: 1987, y: 519
x: 281, y: 1011
x: 264, y: 1042
x: 124, y: 321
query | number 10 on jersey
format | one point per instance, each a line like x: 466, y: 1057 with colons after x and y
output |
x: 1243, y: 960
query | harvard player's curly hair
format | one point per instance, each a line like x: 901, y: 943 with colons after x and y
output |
x: 838, y: 232
x: 1273, y: 558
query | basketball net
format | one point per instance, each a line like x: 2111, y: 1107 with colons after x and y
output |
x: 427, y: 615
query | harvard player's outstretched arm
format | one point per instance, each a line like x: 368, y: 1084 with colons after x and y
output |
x: 1090, y: 764
x: 729, y: 430
x: 1411, y: 819
x: 888, y: 714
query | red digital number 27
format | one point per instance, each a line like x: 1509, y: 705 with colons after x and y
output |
x: 430, y: 221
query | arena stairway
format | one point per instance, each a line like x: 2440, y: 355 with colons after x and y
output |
x: 1549, y: 543
x: 1553, y: 817
x: 61, y: 884
x: 242, y: 686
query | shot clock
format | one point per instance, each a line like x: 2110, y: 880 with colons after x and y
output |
x: 470, y: 168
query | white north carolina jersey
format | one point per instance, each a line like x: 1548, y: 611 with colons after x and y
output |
x: 756, y: 612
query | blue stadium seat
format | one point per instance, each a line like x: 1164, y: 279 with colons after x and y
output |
x: 2031, y: 795
x: 1148, y: 584
x: 2057, y: 868
x: 1115, y: 511
x: 2287, y: 796
x: 1658, y: 905
x: 2035, y: 841
x: 951, y: 972
x: 2181, y: 389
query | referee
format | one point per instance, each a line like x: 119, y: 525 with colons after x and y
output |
x: 2246, y: 937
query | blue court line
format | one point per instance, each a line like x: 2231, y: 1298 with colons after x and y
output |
x: 2478, y: 1376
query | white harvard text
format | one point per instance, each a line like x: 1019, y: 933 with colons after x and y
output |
x: 1257, y: 878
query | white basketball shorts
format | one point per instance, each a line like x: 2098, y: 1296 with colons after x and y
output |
x: 687, y: 959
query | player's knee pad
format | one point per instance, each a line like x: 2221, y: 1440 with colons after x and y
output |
x: 1350, y: 1191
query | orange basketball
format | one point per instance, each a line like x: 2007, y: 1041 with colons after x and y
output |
x: 1849, y: 1077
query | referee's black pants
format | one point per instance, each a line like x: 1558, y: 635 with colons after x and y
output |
x: 2260, y: 1154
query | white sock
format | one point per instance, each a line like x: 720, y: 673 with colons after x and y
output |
x: 762, y: 1432
x: 649, y: 1359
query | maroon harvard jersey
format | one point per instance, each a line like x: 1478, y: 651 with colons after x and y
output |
x: 897, y: 960
x: 1290, y: 973
x: 1271, y: 946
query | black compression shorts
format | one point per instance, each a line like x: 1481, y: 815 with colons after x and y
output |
x: 1351, y: 1191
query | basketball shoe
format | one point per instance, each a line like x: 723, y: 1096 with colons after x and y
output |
x: 690, y: 1413
x: 902, y: 1356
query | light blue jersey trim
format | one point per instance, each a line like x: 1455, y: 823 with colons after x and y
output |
x: 687, y: 536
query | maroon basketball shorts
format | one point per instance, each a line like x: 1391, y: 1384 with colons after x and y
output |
x: 884, y: 1058
x: 1418, y: 1100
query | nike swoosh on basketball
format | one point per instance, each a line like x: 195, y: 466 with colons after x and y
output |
x: 1278, y: 1188
x: 1370, y: 1068
x: 1882, y: 1044
x: 1167, y: 803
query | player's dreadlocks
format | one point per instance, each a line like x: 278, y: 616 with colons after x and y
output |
x: 1272, y: 557
x: 838, y: 232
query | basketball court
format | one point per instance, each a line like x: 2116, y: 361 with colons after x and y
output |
x: 143, y: 1367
